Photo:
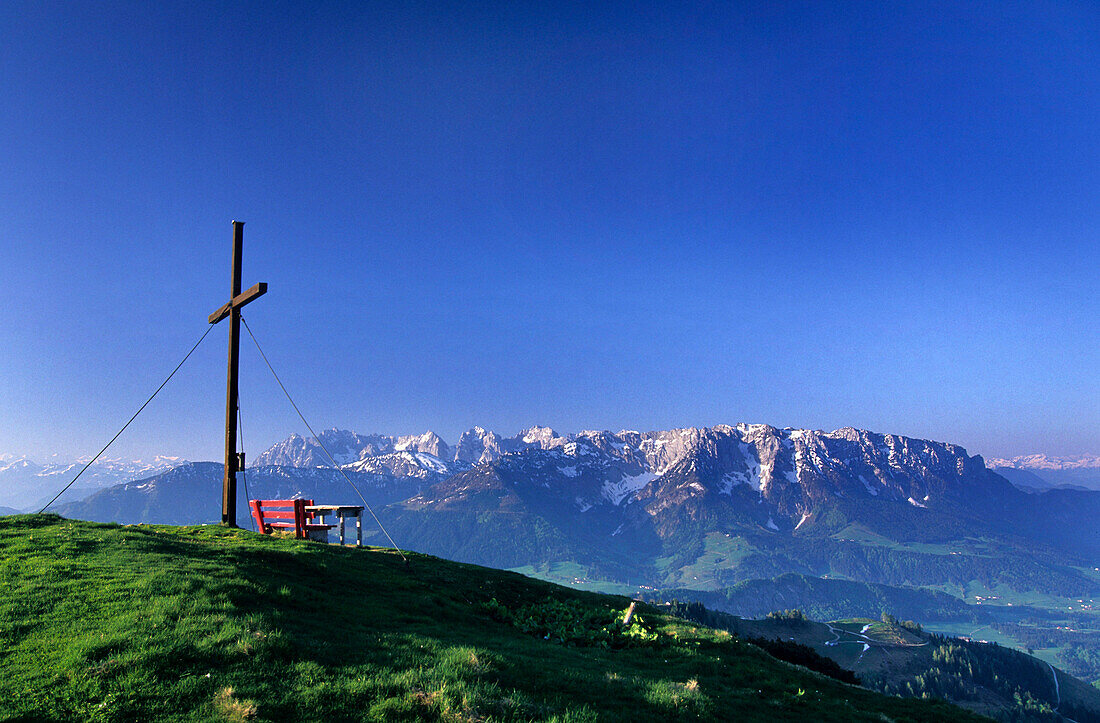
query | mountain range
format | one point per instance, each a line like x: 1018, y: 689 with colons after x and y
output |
x: 628, y: 491
x: 1039, y: 471
x: 25, y: 483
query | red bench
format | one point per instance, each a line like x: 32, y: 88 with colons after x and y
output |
x: 288, y: 515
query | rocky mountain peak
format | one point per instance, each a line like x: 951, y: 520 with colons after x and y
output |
x: 427, y: 443
x: 477, y: 445
x: 541, y: 436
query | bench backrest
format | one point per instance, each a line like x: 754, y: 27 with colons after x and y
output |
x: 280, y: 515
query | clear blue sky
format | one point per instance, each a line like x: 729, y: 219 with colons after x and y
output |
x: 583, y: 215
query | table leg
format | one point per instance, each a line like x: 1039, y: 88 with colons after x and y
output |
x: 342, y: 518
x: 359, y: 529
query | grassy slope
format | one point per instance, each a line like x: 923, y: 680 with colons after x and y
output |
x: 100, y: 622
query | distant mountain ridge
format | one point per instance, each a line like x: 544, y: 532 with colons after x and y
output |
x: 348, y: 448
x: 25, y: 482
x: 475, y: 446
x: 1041, y: 471
x: 776, y: 479
x: 1043, y: 461
x: 646, y: 487
x: 793, y: 467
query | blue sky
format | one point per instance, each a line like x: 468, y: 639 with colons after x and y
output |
x: 584, y: 215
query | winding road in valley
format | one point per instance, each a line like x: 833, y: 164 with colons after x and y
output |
x: 1057, y: 691
x: 863, y: 639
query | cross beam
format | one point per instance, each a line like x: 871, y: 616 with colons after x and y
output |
x: 232, y: 309
x: 237, y: 302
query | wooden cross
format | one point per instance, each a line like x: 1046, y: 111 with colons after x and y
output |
x: 232, y: 309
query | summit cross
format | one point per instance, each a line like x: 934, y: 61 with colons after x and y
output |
x: 232, y: 309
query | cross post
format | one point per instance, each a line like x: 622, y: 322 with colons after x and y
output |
x: 232, y: 309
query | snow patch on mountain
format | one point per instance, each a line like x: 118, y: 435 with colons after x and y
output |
x: 616, y: 492
x: 753, y: 477
x: 435, y: 464
x: 871, y: 490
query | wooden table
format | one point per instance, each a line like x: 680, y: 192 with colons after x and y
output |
x: 342, y: 512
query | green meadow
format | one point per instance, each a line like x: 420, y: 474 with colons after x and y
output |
x: 108, y: 623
